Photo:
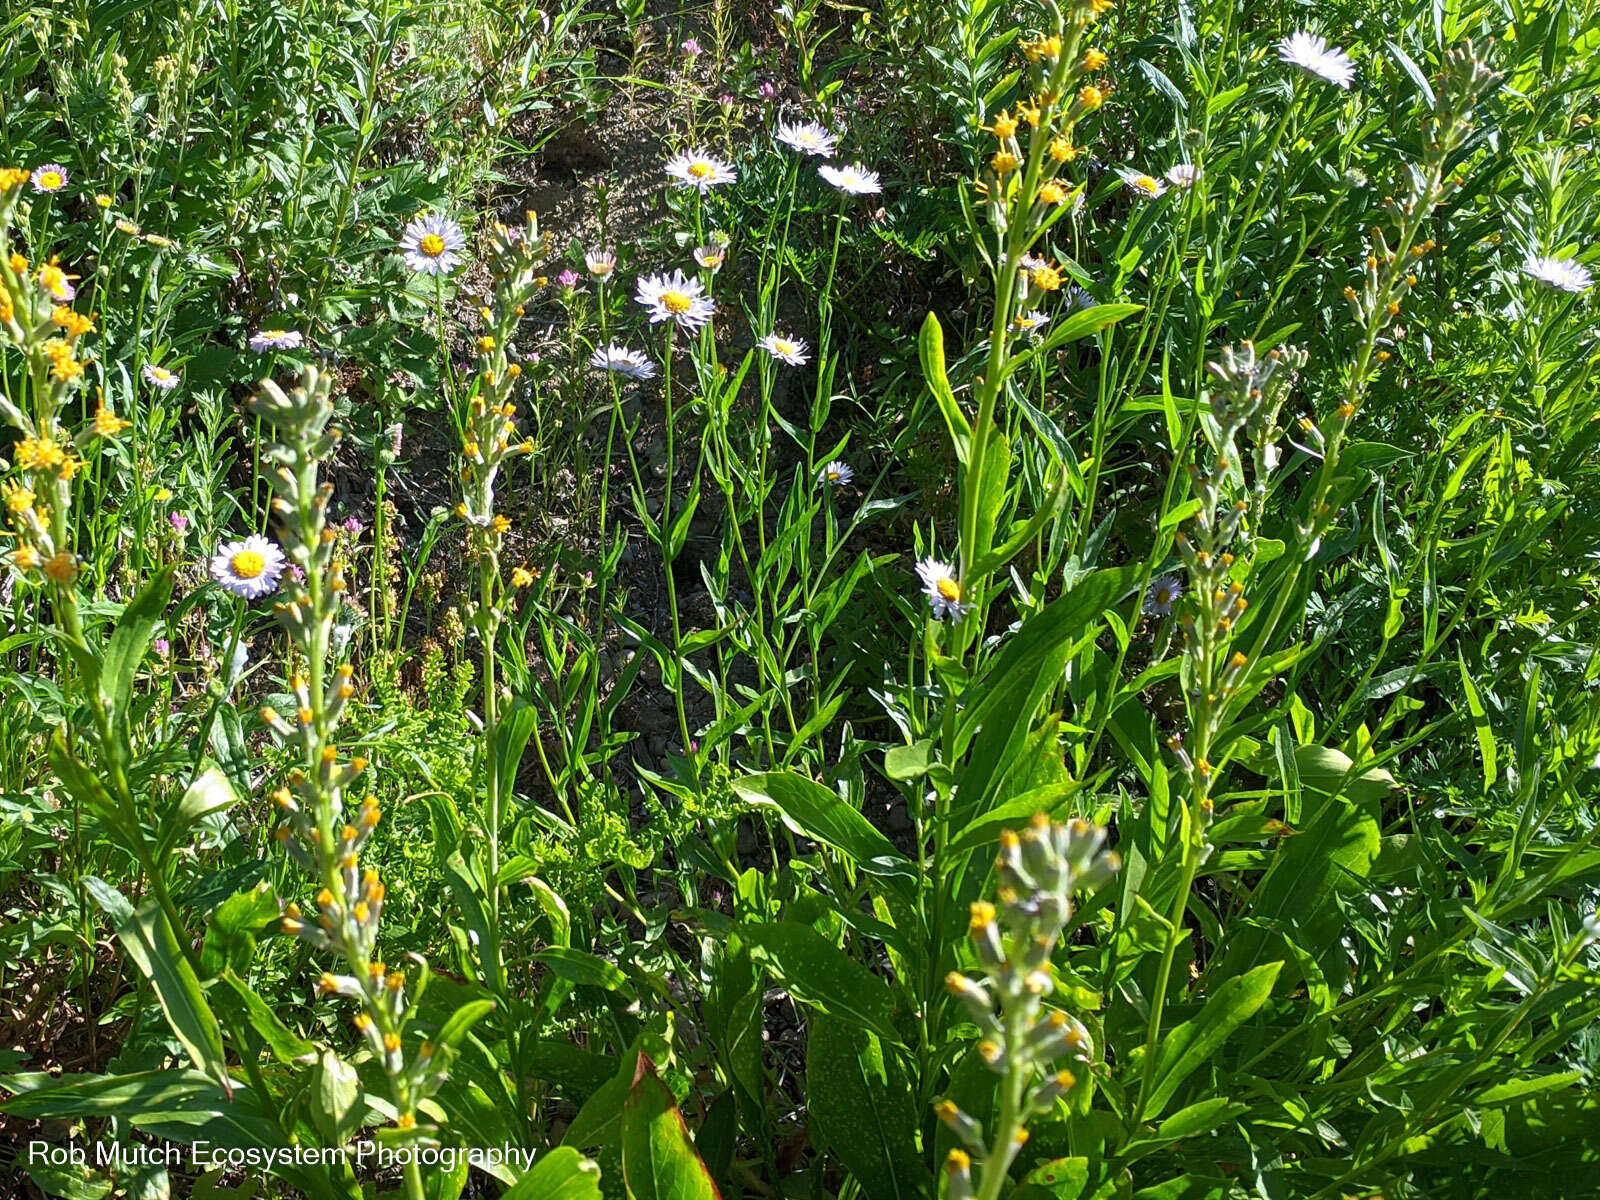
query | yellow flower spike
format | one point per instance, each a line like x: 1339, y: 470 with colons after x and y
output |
x: 395, y: 980
x: 18, y: 264
x: 1091, y: 97
x: 391, y: 1042
x: 982, y: 914
x: 1094, y: 58
x: 500, y: 524
x: 957, y: 1160
x: 1004, y: 162
x: 12, y: 177
x: 514, y: 370
x: 1046, y: 278
x: 362, y: 1022
x: 327, y: 984
x: 521, y: 577
x: 405, y: 1121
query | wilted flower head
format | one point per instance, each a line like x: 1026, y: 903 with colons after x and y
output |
x: 675, y: 298
x: 943, y: 589
x: 248, y: 568
x: 699, y: 170
x: 1313, y: 54
x: 51, y: 177
x: 711, y: 256
x: 767, y: 90
x: 276, y: 339
x: 160, y: 377
x: 785, y: 349
x: 807, y: 137
x: 1163, y: 594
x: 622, y: 361
x: 601, y: 263
x: 837, y: 473
x: 432, y: 245
x: 1029, y: 322
x: 1560, y: 273
x: 1182, y: 175
x: 854, y: 180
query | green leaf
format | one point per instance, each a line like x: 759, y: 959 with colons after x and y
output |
x: 286, y: 1045
x: 1000, y: 705
x: 131, y: 638
x: 211, y: 792
x: 152, y: 947
x: 818, y: 973
x: 337, y: 1101
x: 1480, y: 726
x: 659, y: 1160
x: 1186, y: 1048
x: 906, y: 763
x: 585, y: 969
x: 463, y: 1019
x: 814, y: 811
x: 930, y: 348
x: 863, y: 1107
x: 562, y: 1174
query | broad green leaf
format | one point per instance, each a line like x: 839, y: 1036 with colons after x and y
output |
x: 562, y: 1174
x: 152, y: 947
x: 581, y: 967
x: 337, y: 1103
x: 1188, y: 1047
x: 863, y: 1107
x: 286, y: 1045
x: 659, y: 1159
x: 818, y: 973
x: 131, y: 638
x: 930, y: 347
x: 814, y: 811
x: 1000, y: 705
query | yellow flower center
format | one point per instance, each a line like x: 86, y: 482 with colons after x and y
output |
x: 1147, y: 184
x: 833, y: 474
x: 676, y: 302
x: 700, y: 170
x: 51, y: 180
x: 432, y: 245
x: 1046, y: 279
x: 783, y: 346
x: 949, y: 589
x: 272, y: 335
x: 248, y: 564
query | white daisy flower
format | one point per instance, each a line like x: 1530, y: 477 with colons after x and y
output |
x: 1560, y: 273
x: 674, y: 298
x: 160, y: 377
x: 276, y: 339
x: 1029, y: 322
x: 854, y: 180
x: 785, y: 349
x: 622, y: 361
x: 942, y: 588
x: 808, y: 138
x: 1312, y: 53
x: 601, y: 263
x: 836, y: 474
x: 432, y: 245
x: 51, y: 177
x: 1182, y: 175
x: 1146, y: 187
x: 249, y: 568
x: 697, y: 169
x: 1163, y: 594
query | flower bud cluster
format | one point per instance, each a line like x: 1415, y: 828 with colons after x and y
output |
x: 313, y: 831
x: 490, y: 435
x: 1022, y: 1036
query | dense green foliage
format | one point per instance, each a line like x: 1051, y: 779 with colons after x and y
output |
x: 991, y: 598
